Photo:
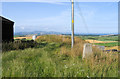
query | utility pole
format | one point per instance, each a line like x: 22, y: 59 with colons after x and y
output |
x: 72, y: 37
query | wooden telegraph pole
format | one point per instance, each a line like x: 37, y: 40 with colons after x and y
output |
x: 72, y: 37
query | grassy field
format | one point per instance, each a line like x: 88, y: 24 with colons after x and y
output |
x: 108, y: 44
x: 105, y: 38
x: 52, y: 56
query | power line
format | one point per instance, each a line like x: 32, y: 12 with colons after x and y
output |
x: 80, y: 13
x: 82, y: 17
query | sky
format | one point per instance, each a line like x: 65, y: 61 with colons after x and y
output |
x: 90, y: 17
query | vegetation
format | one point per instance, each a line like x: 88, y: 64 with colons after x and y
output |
x: 104, y: 38
x: 16, y: 45
x: 19, y: 36
x: 53, y: 57
x: 108, y: 44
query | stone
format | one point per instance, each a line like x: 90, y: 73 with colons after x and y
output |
x: 87, y: 50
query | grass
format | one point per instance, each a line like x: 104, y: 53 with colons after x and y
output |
x: 108, y: 44
x: 33, y: 63
x: 53, y: 57
x: 105, y: 38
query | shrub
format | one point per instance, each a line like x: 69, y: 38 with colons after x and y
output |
x: 18, y: 44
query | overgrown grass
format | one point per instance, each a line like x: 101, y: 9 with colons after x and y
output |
x: 53, y: 57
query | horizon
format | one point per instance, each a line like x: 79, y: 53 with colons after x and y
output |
x: 59, y: 33
x: 90, y: 17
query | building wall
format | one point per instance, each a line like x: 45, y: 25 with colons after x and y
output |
x: 7, y: 31
x: 0, y: 30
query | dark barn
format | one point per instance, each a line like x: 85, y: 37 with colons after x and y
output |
x: 7, y: 30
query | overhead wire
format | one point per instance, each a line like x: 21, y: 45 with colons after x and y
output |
x: 82, y: 17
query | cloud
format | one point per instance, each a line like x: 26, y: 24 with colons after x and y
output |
x: 59, y: 23
x: 35, y: 0
x: 62, y: 21
x: 22, y: 28
x: 57, y: 3
x: 59, y: 0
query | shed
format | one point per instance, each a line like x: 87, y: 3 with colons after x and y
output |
x: 7, y: 29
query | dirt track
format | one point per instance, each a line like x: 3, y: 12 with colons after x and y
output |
x: 23, y: 37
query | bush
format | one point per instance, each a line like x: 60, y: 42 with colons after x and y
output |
x: 18, y: 44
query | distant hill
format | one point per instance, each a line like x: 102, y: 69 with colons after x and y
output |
x: 58, y: 33
x: 37, y: 32
x: 109, y: 35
